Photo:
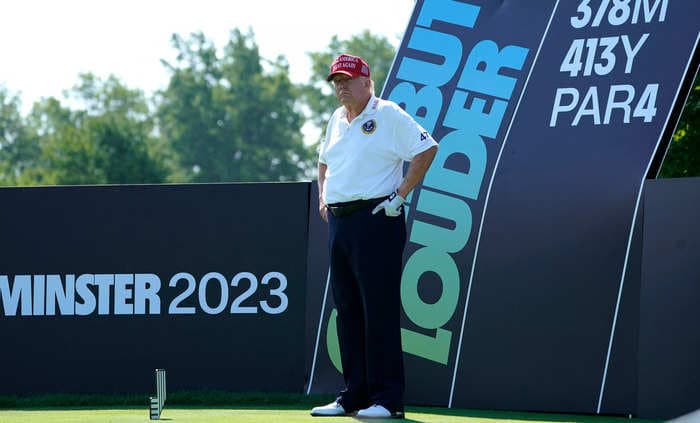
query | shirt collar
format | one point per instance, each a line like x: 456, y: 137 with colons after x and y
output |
x: 370, y: 108
x: 372, y: 105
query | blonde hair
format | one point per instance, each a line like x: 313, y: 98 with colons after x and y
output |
x: 371, y: 83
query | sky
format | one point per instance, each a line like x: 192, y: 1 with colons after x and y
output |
x: 45, y: 44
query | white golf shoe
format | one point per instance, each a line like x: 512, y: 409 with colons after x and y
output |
x: 332, y: 409
x: 377, y: 411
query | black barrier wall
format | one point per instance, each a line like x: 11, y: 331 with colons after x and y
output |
x: 101, y: 285
x: 669, y: 339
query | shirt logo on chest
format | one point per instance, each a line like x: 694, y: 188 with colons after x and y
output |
x: 369, y: 126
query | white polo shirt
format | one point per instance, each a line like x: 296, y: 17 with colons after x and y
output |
x: 364, y: 158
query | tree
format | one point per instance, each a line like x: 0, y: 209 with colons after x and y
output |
x: 233, y: 118
x: 683, y: 156
x: 105, y: 142
x: 318, y: 95
x: 19, y: 147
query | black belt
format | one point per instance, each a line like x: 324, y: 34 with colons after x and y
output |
x: 344, y: 209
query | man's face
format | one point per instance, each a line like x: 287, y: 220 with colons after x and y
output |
x: 349, y: 90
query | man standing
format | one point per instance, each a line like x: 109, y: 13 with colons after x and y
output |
x: 362, y: 190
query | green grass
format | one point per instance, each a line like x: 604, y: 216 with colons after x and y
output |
x: 281, y: 414
x: 225, y: 407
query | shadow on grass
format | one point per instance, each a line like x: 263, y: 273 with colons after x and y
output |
x: 180, y: 399
x: 525, y: 416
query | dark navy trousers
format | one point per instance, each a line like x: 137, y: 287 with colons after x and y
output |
x: 366, y: 261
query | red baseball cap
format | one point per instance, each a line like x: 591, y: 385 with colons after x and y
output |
x: 352, y: 66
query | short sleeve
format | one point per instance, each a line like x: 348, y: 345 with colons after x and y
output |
x: 324, y: 141
x: 410, y: 137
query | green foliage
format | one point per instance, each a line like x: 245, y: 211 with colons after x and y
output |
x: 231, y: 118
x: 105, y: 142
x: 318, y: 94
x: 683, y: 156
x: 18, y: 145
